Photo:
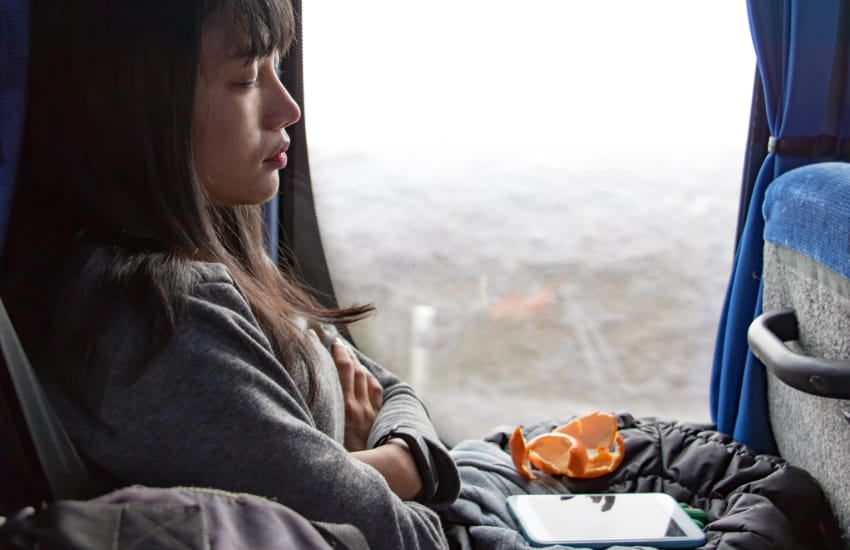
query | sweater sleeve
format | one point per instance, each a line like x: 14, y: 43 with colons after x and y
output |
x: 216, y: 408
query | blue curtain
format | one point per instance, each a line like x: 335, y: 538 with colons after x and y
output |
x: 271, y: 217
x: 14, y: 49
x: 795, y: 42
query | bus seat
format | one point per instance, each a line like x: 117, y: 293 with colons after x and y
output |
x: 803, y: 336
x: 37, y: 455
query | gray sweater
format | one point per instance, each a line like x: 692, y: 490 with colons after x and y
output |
x: 216, y: 408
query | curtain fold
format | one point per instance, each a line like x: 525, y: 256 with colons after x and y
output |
x: 14, y: 50
x: 795, y: 43
x: 271, y: 219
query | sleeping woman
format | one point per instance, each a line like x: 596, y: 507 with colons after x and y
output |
x: 174, y: 350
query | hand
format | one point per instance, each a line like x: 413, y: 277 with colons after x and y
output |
x: 362, y: 393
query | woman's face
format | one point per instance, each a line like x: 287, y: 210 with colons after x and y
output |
x: 241, y: 110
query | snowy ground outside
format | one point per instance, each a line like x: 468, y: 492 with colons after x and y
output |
x: 571, y: 235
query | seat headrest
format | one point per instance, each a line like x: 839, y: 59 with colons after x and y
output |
x: 808, y: 210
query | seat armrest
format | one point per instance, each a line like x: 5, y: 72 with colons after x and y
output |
x: 767, y: 336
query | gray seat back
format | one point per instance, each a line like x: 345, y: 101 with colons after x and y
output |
x: 807, y: 268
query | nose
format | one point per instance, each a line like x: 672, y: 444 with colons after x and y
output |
x: 282, y: 111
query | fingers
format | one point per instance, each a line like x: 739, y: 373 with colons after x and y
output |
x: 358, y: 384
x: 367, y: 387
x: 361, y: 381
x: 363, y: 396
x: 345, y: 367
x: 352, y: 375
x: 376, y: 393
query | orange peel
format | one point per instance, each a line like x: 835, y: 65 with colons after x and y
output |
x: 519, y: 454
x: 589, y: 446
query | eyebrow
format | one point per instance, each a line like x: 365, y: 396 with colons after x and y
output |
x: 235, y: 54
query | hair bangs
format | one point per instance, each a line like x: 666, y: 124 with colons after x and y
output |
x: 260, y: 27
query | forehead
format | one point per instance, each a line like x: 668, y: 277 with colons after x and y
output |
x: 221, y: 40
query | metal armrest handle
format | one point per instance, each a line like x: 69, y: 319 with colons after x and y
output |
x: 767, y: 336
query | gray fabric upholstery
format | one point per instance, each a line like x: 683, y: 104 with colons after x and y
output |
x: 810, y: 431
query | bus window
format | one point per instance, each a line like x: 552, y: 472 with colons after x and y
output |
x: 539, y: 198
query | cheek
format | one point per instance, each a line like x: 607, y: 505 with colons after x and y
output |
x: 217, y: 136
x: 228, y: 132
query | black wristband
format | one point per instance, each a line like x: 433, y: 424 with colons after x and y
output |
x: 425, y: 466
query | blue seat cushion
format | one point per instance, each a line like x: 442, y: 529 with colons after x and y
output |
x: 807, y: 209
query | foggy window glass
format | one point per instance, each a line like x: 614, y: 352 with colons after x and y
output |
x: 540, y: 198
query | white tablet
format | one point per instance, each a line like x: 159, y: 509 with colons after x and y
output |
x: 602, y: 520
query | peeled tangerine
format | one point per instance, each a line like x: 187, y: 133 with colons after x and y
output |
x: 589, y: 446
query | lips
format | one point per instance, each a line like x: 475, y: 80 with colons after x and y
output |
x: 278, y: 160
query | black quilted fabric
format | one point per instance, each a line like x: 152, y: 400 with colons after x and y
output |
x: 753, y: 501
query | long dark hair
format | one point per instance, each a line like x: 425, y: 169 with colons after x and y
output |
x: 107, y: 164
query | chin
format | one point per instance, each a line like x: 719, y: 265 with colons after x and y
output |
x: 266, y: 199
x: 260, y: 194
x: 270, y: 192
x: 255, y: 198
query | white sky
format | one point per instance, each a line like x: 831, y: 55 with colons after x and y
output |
x: 554, y: 71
